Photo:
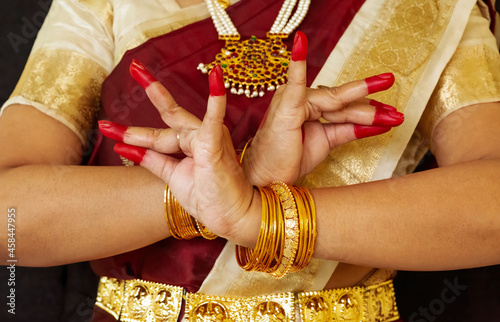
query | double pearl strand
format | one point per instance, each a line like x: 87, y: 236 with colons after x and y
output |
x: 282, y: 25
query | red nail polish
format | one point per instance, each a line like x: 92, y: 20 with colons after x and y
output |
x: 382, y: 105
x: 140, y: 73
x: 112, y: 130
x: 216, y: 81
x: 363, y: 131
x: 379, y: 82
x: 384, y: 115
x: 299, y: 49
x: 133, y: 153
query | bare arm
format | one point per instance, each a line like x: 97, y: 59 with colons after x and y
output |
x: 446, y: 218
x: 65, y: 212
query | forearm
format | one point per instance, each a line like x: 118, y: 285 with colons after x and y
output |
x: 72, y: 213
x: 446, y: 218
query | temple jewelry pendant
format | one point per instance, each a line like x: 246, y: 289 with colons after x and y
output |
x: 253, y: 66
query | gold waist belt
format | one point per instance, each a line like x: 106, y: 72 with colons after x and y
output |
x: 137, y: 300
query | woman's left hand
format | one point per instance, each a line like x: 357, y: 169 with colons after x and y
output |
x: 292, y: 140
x: 209, y: 182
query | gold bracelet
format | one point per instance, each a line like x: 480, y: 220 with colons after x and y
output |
x: 289, y: 208
x: 287, y: 234
x: 244, y: 149
x: 204, y: 231
x: 180, y: 223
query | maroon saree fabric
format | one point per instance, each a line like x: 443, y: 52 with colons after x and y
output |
x: 172, y: 59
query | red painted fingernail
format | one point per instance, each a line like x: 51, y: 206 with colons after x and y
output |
x: 299, y: 49
x: 141, y: 74
x: 133, y: 153
x: 363, y: 131
x: 379, y: 82
x: 384, y: 115
x: 382, y: 105
x: 112, y: 130
x: 216, y: 82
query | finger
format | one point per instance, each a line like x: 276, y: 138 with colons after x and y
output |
x: 294, y: 92
x: 366, y: 112
x: 160, y: 140
x: 345, y: 133
x: 333, y: 98
x: 171, y: 113
x: 213, y: 122
x: 159, y: 164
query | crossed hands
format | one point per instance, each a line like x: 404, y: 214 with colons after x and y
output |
x: 209, y: 182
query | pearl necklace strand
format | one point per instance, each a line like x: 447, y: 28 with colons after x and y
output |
x: 253, y: 66
x: 282, y: 25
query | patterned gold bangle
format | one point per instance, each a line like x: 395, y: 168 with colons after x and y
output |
x: 307, y: 223
x: 289, y: 207
x: 287, y: 234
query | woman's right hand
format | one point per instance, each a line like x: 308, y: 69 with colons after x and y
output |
x: 209, y: 182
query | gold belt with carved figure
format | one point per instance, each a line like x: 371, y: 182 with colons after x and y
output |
x: 143, y: 301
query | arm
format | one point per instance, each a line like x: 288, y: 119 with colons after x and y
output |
x: 64, y: 212
x: 446, y: 218
x: 440, y: 219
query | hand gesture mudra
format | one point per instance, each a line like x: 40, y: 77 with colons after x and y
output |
x: 209, y: 182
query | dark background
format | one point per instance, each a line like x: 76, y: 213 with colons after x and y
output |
x: 67, y: 293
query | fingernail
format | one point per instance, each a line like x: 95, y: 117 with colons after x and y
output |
x: 216, y: 82
x: 363, y: 131
x: 112, y: 130
x: 382, y: 105
x: 379, y: 82
x: 140, y: 73
x: 133, y: 153
x: 387, y: 115
x: 299, y: 49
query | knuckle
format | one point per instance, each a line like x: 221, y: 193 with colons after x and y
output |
x: 335, y: 94
x: 155, y: 138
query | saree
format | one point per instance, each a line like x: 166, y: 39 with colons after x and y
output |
x: 433, y: 48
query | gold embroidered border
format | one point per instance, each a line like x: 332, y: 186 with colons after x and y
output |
x: 472, y: 76
x: 401, y: 40
x: 66, y: 83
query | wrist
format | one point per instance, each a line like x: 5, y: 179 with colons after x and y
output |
x: 246, y: 230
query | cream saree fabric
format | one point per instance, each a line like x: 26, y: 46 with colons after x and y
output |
x: 415, y: 40
x: 427, y: 44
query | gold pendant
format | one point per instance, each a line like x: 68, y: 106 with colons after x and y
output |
x: 253, y: 66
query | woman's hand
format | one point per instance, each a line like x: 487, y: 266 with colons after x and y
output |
x: 209, y: 183
x: 292, y: 141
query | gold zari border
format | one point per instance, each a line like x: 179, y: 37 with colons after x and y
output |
x: 472, y: 76
x: 66, y: 84
x: 402, y: 39
x: 143, y: 301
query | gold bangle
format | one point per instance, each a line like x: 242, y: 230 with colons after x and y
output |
x: 180, y: 223
x: 287, y: 234
x: 204, y: 231
x: 291, y: 217
x: 244, y: 149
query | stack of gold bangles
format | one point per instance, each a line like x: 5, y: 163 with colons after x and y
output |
x: 287, y: 233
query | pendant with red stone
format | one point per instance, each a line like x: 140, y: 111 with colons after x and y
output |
x: 253, y: 66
